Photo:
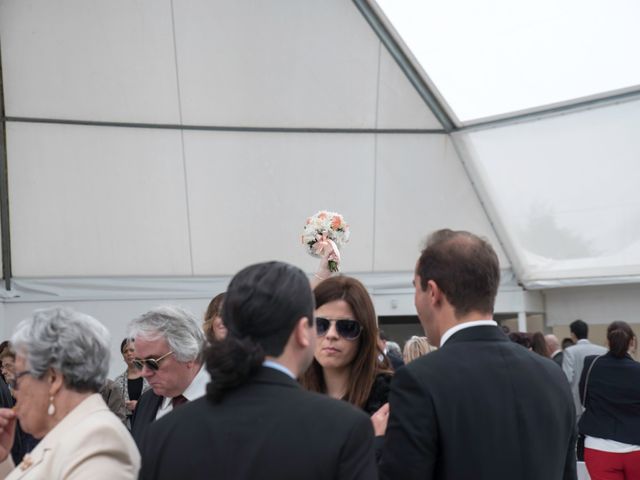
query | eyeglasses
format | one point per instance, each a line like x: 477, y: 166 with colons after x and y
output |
x: 13, y: 383
x: 346, y: 328
x: 151, y: 363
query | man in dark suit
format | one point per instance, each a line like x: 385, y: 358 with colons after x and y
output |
x: 479, y: 407
x: 169, y: 344
x: 256, y: 422
x: 554, y: 349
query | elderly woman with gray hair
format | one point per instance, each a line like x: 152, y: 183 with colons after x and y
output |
x: 62, y: 359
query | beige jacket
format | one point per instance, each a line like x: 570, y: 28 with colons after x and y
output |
x: 89, y: 443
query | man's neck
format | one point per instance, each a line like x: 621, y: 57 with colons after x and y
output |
x: 453, y: 321
x: 286, y: 362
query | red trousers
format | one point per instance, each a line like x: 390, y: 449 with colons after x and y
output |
x: 612, y: 466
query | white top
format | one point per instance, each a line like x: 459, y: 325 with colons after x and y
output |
x: 196, y: 389
x: 462, y: 326
x: 278, y: 366
x: 611, y: 446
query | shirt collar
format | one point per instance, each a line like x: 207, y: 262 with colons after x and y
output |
x: 278, y: 366
x: 461, y: 326
x: 196, y: 389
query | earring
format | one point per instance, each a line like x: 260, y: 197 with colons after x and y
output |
x: 52, y: 408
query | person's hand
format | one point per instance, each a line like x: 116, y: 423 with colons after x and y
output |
x: 380, y: 419
x: 131, y: 405
x: 323, y: 272
x: 7, y: 432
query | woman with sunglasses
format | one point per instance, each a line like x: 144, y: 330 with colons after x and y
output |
x: 62, y: 360
x: 130, y: 383
x: 345, y: 364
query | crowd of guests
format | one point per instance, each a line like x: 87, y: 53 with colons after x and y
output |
x: 290, y: 379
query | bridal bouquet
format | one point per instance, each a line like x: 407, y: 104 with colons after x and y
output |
x: 326, y: 232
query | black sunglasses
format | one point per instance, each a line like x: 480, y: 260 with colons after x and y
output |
x: 151, y: 363
x: 346, y: 328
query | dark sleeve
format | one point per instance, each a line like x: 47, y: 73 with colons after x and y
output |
x: 585, y: 369
x: 411, y: 442
x: 143, y: 415
x: 570, y: 466
x: 379, y: 394
x: 148, y: 459
x: 357, y: 459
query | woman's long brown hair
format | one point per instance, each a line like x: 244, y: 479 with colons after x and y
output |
x: 364, y: 367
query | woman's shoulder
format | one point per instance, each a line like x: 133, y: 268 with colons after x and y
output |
x: 379, y: 394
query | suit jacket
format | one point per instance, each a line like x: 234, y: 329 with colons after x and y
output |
x: 613, y: 399
x: 90, y: 442
x: 480, y: 407
x: 572, y: 364
x: 268, y: 428
x: 558, y: 358
x: 144, y: 414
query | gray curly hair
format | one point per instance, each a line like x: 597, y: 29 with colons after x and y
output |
x: 75, y: 344
x: 177, y: 326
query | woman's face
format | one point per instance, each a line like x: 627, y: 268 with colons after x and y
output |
x: 219, y: 330
x: 8, y: 368
x: 32, y: 400
x: 129, y: 353
x: 333, y: 351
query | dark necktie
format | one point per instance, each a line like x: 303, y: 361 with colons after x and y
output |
x: 179, y: 400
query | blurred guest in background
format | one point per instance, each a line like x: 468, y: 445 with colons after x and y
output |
x: 112, y: 396
x: 553, y: 349
x: 130, y: 383
x: 390, y: 350
x: 521, y: 338
x: 610, y: 390
x: 213, y: 325
x: 538, y: 344
x: 23, y: 442
x: 573, y: 361
x: 416, y: 347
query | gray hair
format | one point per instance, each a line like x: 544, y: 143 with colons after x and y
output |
x: 75, y: 344
x: 177, y: 326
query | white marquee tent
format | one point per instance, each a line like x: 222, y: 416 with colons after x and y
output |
x: 151, y: 148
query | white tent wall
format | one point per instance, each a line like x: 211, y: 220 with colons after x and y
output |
x: 568, y: 209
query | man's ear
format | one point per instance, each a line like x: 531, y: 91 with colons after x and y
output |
x: 302, y: 332
x: 434, y: 293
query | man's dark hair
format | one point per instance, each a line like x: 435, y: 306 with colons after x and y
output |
x: 567, y: 342
x: 464, y: 266
x: 580, y: 329
x: 261, y: 308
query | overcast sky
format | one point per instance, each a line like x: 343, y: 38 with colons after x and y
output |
x: 499, y: 56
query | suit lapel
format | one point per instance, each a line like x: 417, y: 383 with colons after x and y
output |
x: 29, y: 462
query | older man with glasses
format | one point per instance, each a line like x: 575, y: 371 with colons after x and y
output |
x: 169, y: 344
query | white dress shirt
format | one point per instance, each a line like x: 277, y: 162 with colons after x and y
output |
x: 196, y: 389
x: 461, y: 326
